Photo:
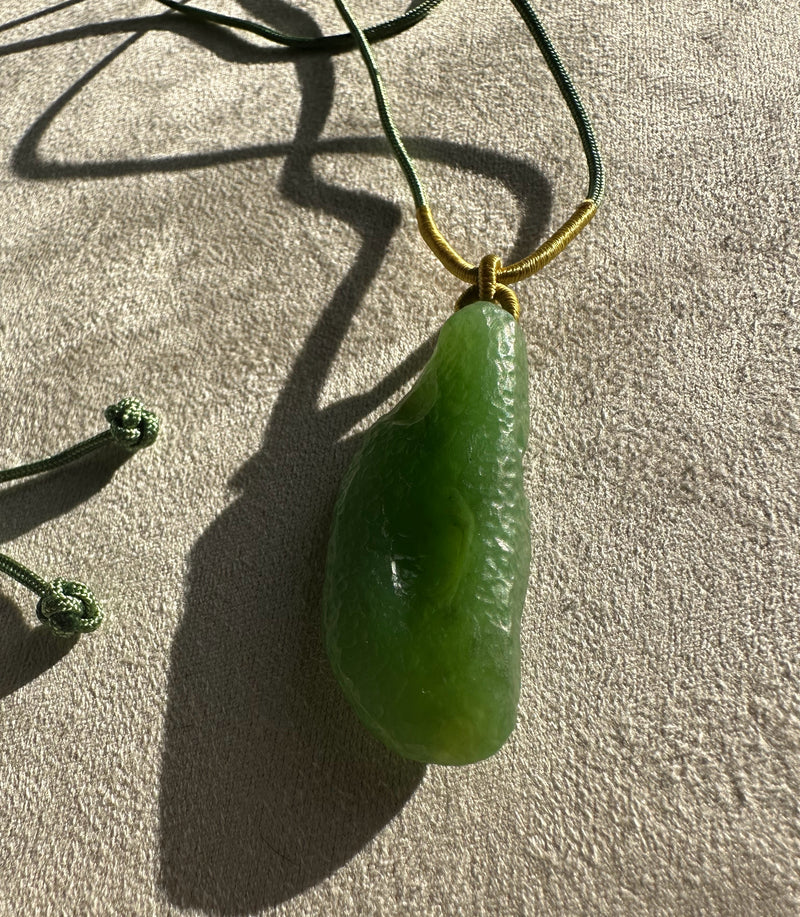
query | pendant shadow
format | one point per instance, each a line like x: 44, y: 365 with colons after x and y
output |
x: 27, y: 650
x: 269, y: 783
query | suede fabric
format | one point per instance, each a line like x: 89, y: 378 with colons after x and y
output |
x: 216, y: 226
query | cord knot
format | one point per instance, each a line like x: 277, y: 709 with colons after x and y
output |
x: 69, y: 608
x: 132, y: 425
x: 487, y: 289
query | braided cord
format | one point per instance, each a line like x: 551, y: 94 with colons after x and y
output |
x: 387, y: 122
x: 22, y: 575
x: 68, y: 607
x: 333, y: 44
x: 56, y: 461
x: 597, y: 181
x: 556, y: 67
x: 132, y: 426
x: 362, y: 38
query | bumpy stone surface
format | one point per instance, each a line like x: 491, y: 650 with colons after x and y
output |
x: 430, y: 551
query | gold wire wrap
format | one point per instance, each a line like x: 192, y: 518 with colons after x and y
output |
x: 545, y: 253
x: 482, y: 277
x: 436, y: 242
x: 487, y: 277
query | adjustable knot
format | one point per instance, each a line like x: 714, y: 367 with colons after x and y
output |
x: 487, y: 289
x: 69, y: 608
x: 132, y: 425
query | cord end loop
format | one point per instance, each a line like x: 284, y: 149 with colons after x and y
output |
x: 132, y: 425
x: 69, y: 608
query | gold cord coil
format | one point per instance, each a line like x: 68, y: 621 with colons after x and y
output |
x: 490, y: 275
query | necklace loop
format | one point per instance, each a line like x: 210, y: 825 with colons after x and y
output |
x: 489, y: 289
x: 512, y: 273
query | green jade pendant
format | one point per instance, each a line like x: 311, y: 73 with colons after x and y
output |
x: 429, y: 554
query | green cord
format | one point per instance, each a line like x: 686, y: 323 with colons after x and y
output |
x: 132, y: 427
x: 361, y: 38
x: 65, y: 606
x: 597, y: 180
x: 333, y: 44
x: 554, y: 63
x: 387, y: 122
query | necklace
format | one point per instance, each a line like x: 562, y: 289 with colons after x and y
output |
x: 429, y: 551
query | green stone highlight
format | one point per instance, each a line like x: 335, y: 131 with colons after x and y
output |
x: 430, y: 551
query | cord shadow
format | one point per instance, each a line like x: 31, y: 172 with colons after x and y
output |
x: 30, y: 17
x: 26, y: 650
x: 268, y: 781
x: 27, y: 504
x: 528, y: 186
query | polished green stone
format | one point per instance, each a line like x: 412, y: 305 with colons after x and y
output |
x: 430, y: 550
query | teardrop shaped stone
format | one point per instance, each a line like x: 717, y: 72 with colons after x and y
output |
x: 430, y: 551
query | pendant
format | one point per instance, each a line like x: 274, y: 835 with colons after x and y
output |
x: 429, y: 553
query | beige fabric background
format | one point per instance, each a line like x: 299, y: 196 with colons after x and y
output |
x: 218, y: 229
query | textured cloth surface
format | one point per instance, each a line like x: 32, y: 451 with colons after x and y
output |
x: 218, y: 229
